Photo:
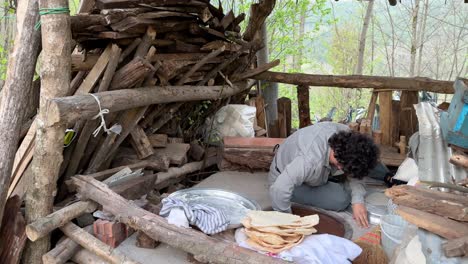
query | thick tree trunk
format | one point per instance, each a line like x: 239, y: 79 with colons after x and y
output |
x: 362, y: 40
x: 205, y: 248
x: 16, y: 90
x: 55, y: 82
x: 359, y: 81
x: 72, y: 108
x: 414, y: 39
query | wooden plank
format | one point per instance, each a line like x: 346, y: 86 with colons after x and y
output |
x: 12, y: 235
x: 385, y: 102
x: 456, y: 247
x: 439, y: 225
x: 95, y: 74
x: 443, y: 204
x: 176, y: 152
x: 158, y: 140
x: 261, y: 117
x: 257, y: 143
x: 141, y: 143
x: 83, y: 63
x: 408, y: 119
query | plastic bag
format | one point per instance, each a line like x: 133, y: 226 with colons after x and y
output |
x: 231, y: 121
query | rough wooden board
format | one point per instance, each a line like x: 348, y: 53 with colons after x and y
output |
x: 441, y: 226
x: 158, y: 140
x: 12, y: 234
x: 443, y: 204
x: 176, y: 152
x: 141, y: 143
x: 456, y: 247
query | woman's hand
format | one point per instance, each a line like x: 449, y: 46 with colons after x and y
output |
x: 360, y: 215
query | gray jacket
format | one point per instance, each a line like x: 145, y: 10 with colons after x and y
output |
x: 303, y: 158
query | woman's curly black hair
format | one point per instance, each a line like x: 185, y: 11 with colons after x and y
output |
x: 356, y: 152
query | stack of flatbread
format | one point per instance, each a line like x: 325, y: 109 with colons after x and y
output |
x: 276, y: 231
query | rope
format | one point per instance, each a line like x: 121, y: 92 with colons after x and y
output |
x: 116, y: 129
x: 50, y: 11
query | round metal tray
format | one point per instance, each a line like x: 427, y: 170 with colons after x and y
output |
x: 234, y: 205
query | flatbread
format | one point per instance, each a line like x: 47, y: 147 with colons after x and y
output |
x: 271, y: 218
x: 270, y: 238
x: 260, y: 247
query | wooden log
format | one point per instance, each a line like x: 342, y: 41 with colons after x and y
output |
x: 456, y: 247
x: 227, y: 20
x: 13, y: 103
x: 135, y: 188
x: 55, y: 83
x: 443, y: 204
x: 72, y: 108
x: 385, y: 102
x: 84, y: 256
x: 359, y: 81
x: 205, y: 248
x: 246, y: 159
x: 82, y: 22
x: 12, y: 233
x: 262, y: 68
x: 108, y: 4
x: 64, y: 250
x: 131, y: 74
x: 83, y: 63
x: 94, y: 245
x: 401, y: 145
x: 303, y: 105
x: 95, y: 74
x: 196, y: 151
x: 439, y: 225
x: 158, y: 140
x: 258, y: 14
x: 43, y: 226
x: 136, y: 42
x: 141, y: 143
x: 168, y: 113
x: 284, y: 116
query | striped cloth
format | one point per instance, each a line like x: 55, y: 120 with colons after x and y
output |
x: 208, y: 219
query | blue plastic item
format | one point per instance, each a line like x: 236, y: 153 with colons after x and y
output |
x: 454, y: 122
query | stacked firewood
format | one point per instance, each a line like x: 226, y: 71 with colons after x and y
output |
x: 125, y: 45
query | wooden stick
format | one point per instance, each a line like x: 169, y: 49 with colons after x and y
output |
x: 359, y: 81
x: 95, y: 245
x: 95, y: 74
x: 205, y: 248
x: 175, y: 175
x: 303, y: 105
x: 199, y: 64
x: 129, y: 49
x: 43, y: 226
x: 84, y: 256
x: 459, y: 159
x: 263, y: 68
x: 64, y: 250
x: 110, y: 69
x: 65, y: 110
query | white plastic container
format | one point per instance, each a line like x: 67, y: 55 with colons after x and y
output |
x: 393, y: 227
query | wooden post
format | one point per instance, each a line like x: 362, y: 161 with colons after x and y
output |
x: 385, y: 102
x: 371, y: 108
x: 284, y: 116
x: 303, y: 105
x: 408, y: 118
x: 261, y: 118
x: 205, y: 248
x: 55, y: 82
x: 18, y: 84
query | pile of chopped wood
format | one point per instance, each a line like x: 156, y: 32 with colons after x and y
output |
x: 146, y: 74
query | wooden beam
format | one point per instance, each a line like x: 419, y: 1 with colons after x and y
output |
x: 385, y: 103
x: 303, y: 105
x: 439, y: 225
x: 205, y: 248
x: 443, y: 204
x: 72, y: 108
x: 359, y: 81
x: 284, y: 116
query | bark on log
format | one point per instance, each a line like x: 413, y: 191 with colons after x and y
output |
x: 359, y: 81
x: 141, y: 143
x: 95, y: 245
x: 64, y: 250
x: 246, y: 159
x: 444, y: 204
x: 84, y: 256
x: 258, y: 14
x: 12, y: 233
x: 131, y: 74
x: 43, y: 226
x: 72, y: 108
x: 459, y: 159
x: 199, y: 64
x: 303, y: 105
x: 205, y: 248
x: 83, y: 63
x: 456, y: 247
x: 13, y: 103
x: 110, y: 69
x: 55, y: 82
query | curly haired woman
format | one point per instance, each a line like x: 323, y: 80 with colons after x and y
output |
x: 308, y: 165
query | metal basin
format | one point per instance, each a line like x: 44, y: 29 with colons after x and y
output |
x: 330, y: 222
